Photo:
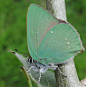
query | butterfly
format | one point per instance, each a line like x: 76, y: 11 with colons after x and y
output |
x: 50, y: 40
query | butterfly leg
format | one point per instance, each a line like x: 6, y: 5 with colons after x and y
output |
x: 30, y: 68
x: 61, y: 72
x: 53, y: 67
x: 39, y: 76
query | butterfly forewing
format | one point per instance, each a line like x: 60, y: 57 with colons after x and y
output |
x: 39, y: 22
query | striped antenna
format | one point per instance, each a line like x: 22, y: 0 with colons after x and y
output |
x: 22, y: 53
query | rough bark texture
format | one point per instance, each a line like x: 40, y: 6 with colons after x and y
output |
x: 57, y: 8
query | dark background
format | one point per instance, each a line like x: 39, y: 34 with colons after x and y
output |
x: 13, y: 35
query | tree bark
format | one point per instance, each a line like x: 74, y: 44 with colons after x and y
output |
x: 57, y: 8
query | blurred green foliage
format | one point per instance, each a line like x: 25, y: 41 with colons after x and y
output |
x: 13, y: 35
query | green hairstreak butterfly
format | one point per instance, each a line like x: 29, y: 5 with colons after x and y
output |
x: 50, y: 40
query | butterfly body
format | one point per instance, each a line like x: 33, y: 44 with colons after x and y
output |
x: 39, y: 67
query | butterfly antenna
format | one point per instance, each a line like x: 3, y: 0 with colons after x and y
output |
x: 22, y: 53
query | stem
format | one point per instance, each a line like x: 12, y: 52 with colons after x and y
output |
x: 57, y: 8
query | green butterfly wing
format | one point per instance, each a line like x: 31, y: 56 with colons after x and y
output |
x: 60, y: 44
x: 39, y: 22
x: 47, y: 38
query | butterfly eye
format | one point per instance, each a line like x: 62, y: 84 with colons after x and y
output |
x: 30, y: 60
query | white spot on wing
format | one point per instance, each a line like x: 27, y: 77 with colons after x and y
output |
x: 65, y: 38
x: 68, y: 43
x: 51, y: 31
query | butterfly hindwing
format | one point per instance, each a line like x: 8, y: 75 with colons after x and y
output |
x: 60, y: 44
